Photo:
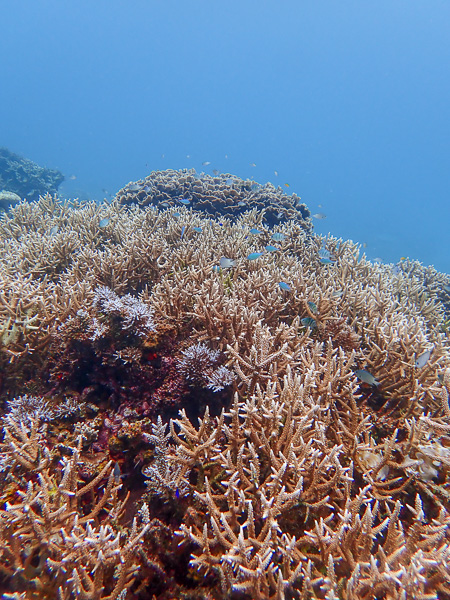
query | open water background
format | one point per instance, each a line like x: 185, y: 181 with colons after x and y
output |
x: 349, y: 101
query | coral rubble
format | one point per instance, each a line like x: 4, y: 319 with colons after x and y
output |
x: 175, y: 428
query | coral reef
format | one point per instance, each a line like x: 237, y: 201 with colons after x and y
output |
x: 8, y: 199
x: 219, y: 195
x: 175, y: 428
x: 57, y: 527
x: 24, y: 178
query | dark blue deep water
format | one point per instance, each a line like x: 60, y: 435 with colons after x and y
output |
x: 349, y: 102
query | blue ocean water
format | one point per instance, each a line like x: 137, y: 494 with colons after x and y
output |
x: 349, y: 102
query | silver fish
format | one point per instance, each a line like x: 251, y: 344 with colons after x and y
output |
x: 319, y: 216
x: 226, y: 263
x: 422, y: 360
x: 366, y: 377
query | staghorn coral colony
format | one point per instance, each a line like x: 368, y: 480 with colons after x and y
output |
x: 194, y: 410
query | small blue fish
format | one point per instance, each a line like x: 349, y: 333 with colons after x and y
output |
x: 206, y: 163
x: 197, y: 229
x: 308, y: 322
x: 319, y: 216
x: 422, y: 360
x: 54, y: 230
x: 366, y: 377
x: 285, y: 286
x: 185, y: 201
x: 134, y: 187
x: 255, y: 231
x: 270, y: 248
x: 241, y: 203
x: 255, y: 187
x: 254, y: 255
x: 278, y: 237
x: 177, y: 214
x: 183, y: 229
x: 104, y: 222
x: 117, y: 474
x: 324, y: 253
x: 327, y: 261
x: 312, y: 308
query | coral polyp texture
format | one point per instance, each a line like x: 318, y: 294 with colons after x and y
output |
x: 219, y: 195
x: 177, y: 425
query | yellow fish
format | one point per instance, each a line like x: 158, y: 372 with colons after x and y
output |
x: 287, y: 185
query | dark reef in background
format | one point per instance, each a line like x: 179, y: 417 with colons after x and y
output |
x: 25, y: 178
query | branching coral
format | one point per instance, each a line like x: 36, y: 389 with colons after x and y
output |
x: 320, y: 469
x: 57, y: 536
x: 277, y: 506
x: 199, y: 366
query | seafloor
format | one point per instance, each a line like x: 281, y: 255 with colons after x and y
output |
x: 202, y: 399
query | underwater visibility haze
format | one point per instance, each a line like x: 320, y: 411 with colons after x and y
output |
x: 224, y: 300
x: 348, y: 102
